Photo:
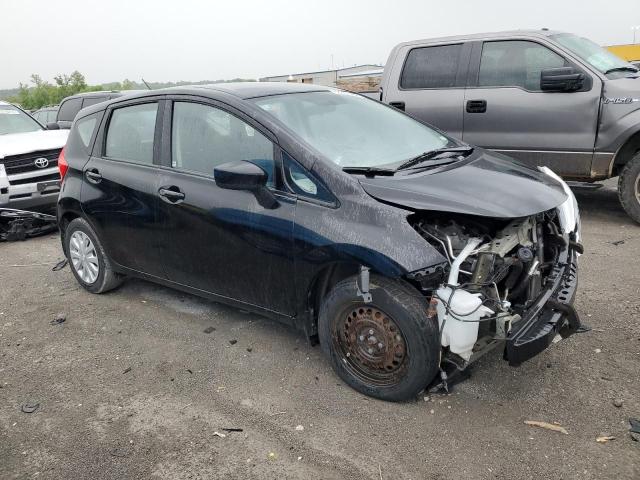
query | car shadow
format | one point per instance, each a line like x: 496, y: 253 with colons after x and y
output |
x: 601, y: 203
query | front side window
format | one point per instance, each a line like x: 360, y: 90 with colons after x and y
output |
x: 351, y: 130
x: 14, y: 120
x: 69, y: 109
x: 516, y: 63
x: 203, y: 137
x: 431, y: 67
x: 131, y: 133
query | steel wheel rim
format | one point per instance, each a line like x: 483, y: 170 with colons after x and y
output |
x: 371, y: 345
x: 83, y: 257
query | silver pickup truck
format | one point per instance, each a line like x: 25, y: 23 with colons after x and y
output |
x: 29, y: 176
x: 542, y: 97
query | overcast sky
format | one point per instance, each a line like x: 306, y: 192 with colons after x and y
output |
x: 170, y: 40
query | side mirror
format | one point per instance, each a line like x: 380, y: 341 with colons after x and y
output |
x: 564, y: 79
x: 53, y: 126
x: 245, y: 175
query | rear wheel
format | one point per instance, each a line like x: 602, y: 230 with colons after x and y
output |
x: 629, y: 188
x: 87, y: 258
x: 387, y: 348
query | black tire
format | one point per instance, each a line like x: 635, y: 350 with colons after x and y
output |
x: 344, y: 316
x: 106, y: 278
x: 629, y: 188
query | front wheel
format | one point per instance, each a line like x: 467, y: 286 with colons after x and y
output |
x: 388, y: 348
x: 629, y: 188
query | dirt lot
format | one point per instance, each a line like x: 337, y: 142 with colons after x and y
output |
x: 130, y: 386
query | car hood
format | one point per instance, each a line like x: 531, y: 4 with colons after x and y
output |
x: 19, y: 143
x: 484, y: 184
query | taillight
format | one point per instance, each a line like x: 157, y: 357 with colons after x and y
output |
x: 63, y: 166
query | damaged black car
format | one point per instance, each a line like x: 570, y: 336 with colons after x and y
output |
x: 405, y: 253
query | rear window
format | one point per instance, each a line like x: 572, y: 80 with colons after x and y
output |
x: 131, y: 132
x: 69, y: 109
x: 431, y: 67
x: 93, y: 100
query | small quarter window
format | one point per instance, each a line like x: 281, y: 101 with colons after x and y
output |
x: 303, y: 182
x: 85, y: 127
x: 131, y: 133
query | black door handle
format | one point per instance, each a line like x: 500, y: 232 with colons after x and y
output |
x: 171, y: 194
x: 398, y: 105
x: 93, y: 176
x: 476, y: 106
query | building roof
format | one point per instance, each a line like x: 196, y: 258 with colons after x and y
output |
x: 366, y: 73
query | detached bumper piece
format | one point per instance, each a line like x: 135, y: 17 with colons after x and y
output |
x: 21, y: 224
x: 552, y: 314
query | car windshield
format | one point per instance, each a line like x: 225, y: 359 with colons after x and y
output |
x: 353, y: 131
x: 596, y: 56
x: 14, y: 120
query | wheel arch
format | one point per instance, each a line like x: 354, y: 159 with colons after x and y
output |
x: 629, y: 149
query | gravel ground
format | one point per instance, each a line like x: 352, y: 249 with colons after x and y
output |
x: 131, y: 386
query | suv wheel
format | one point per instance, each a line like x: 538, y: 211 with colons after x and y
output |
x: 387, y: 348
x: 629, y: 188
x: 89, y: 262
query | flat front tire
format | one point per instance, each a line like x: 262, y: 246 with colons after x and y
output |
x: 87, y: 258
x: 629, y: 188
x: 388, y: 348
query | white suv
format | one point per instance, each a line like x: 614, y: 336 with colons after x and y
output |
x: 29, y: 175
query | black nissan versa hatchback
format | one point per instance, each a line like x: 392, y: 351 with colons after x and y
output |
x: 405, y: 253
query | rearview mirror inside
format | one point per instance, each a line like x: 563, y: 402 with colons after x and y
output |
x: 564, y: 79
x: 245, y: 175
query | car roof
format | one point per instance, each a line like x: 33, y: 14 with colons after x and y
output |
x: 480, y: 36
x: 104, y: 93
x: 240, y: 90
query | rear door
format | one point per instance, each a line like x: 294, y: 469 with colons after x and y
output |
x: 218, y: 240
x: 429, y: 84
x: 505, y: 109
x: 119, y: 193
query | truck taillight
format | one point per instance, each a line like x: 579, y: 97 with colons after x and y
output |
x: 63, y: 166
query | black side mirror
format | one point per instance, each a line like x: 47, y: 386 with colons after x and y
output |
x: 564, y: 79
x: 53, y: 126
x: 245, y: 175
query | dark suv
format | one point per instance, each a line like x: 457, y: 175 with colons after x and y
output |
x: 406, y: 253
x: 70, y: 106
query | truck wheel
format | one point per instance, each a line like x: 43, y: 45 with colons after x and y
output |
x: 629, y: 188
x: 388, y: 348
x: 87, y: 258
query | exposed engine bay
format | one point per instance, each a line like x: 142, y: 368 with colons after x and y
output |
x: 495, y: 271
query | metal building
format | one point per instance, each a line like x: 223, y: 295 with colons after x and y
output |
x: 328, y: 78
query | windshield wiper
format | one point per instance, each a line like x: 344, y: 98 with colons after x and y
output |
x: 622, y: 69
x: 369, y: 171
x: 423, y: 157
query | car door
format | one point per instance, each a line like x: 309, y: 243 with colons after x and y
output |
x: 505, y: 109
x: 119, y: 193
x: 431, y: 83
x: 218, y: 240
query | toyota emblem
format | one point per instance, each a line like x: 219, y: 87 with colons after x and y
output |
x: 41, y: 162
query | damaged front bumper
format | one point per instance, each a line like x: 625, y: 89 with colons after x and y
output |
x: 551, y: 316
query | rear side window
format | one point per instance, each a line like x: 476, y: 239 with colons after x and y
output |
x: 131, y: 133
x: 431, y: 67
x: 516, y: 63
x: 203, y: 137
x: 69, y: 109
